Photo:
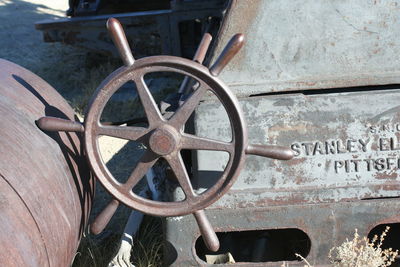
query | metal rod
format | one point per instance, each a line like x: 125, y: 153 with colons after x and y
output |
x: 118, y: 36
x: 209, y: 236
x: 202, y: 49
x: 185, y: 85
x: 273, y: 152
x: 56, y: 124
x: 104, y: 217
x: 199, y: 56
x: 230, y: 50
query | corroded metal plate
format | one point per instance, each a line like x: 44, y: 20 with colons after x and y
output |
x: 326, y: 224
x: 346, y: 145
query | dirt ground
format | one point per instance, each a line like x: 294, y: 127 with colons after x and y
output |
x: 21, y: 43
x: 72, y: 71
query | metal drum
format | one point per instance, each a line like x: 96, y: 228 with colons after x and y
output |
x: 46, y: 187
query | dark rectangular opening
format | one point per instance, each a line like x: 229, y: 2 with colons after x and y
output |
x: 260, y: 245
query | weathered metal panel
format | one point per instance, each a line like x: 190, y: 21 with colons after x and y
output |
x: 145, y: 30
x: 346, y: 167
x: 149, y: 32
x: 297, y: 44
x: 326, y: 224
x: 346, y: 146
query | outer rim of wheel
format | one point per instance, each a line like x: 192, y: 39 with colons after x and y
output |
x: 179, y: 65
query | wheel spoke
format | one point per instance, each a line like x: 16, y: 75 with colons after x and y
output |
x: 149, y: 105
x: 178, y: 167
x: 189, y: 141
x: 146, y: 162
x: 123, y: 132
x: 183, y: 113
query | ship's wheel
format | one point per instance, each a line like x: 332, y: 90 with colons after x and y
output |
x: 165, y: 138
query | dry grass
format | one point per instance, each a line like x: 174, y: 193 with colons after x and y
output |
x: 85, y: 81
x: 360, y: 252
x: 147, y: 247
x: 95, y: 252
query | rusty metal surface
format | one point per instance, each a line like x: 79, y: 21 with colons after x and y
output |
x: 299, y: 45
x: 326, y: 224
x: 56, y: 124
x: 118, y: 36
x: 13, y: 221
x: 346, y: 148
x: 46, y: 186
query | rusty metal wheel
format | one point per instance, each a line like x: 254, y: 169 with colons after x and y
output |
x: 165, y: 138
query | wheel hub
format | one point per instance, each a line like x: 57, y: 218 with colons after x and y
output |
x: 163, y: 141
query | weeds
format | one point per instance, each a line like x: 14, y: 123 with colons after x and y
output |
x: 94, y: 252
x: 86, y: 81
x: 147, y: 248
x: 97, y: 251
x: 360, y: 252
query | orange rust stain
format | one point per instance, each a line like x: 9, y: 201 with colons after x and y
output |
x: 300, y: 127
x: 376, y: 51
x: 296, y: 161
x: 385, y: 175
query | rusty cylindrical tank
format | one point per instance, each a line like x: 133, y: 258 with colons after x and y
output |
x: 46, y: 188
